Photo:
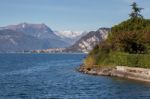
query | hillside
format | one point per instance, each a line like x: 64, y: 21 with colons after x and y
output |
x: 87, y: 42
x: 12, y: 41
x: 128, y: 44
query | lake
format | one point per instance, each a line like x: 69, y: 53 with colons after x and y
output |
x: 54, y: 76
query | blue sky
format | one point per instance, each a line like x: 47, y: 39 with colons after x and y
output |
x: 69, y: 14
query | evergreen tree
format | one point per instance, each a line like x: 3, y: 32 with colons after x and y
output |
x: 135, y: 11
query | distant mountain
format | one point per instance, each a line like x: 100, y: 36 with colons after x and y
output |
x: 11, y: 41
x: 40, y: 31
x: 29, y: 37
x: 70, y: 36
x: 26, y: 36
x: 87, y: 42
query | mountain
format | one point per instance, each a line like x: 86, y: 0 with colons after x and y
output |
x: 70, y: 36
x: 87, y: 42
x: 44, y: 36
x: 11, y: 41
x: 26, y: 36
x: 40, y: 31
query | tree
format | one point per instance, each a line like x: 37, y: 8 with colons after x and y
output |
x: 136, y: 11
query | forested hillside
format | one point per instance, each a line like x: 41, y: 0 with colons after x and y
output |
x: 128, y: 44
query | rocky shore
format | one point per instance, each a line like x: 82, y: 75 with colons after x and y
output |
x: 140, y: 74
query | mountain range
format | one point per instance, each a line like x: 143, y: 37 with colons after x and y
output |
x: 26, y: 37
x: 83, y: 45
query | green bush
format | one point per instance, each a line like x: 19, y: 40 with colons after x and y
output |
x: 125, y: 59
x: 119, y: 59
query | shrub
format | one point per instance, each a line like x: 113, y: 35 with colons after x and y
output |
x: 89, y: 61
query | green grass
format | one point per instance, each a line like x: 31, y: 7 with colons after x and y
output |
x: 119, y: 58
x: 132, y: 60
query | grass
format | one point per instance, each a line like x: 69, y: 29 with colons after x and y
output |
x: 118, y: 58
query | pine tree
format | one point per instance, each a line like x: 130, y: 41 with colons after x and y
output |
x: 136, y: 11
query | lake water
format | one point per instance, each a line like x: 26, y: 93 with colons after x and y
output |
x: 54, y: 76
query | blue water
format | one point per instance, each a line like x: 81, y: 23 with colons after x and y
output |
x: 54, y: 76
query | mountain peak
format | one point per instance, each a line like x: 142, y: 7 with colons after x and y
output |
x: 24, y: 24
x: 70, y: 34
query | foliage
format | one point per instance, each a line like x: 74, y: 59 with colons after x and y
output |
x: 89, y: 61
x: 135, y: 11
x: 121, y: 59
x: 128, y: 44
x: 132, y: 36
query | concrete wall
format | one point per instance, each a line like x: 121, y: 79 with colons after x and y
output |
x: 134, y: 70
x: 133, y: 73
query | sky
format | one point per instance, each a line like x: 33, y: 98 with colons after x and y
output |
x: 77, y: 15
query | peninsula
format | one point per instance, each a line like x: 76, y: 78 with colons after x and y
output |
x: 126, y: 51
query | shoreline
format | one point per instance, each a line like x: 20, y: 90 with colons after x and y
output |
x: 133, y: 73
